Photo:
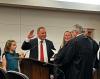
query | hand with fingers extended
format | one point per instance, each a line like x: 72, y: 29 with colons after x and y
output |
x: 30, y: 34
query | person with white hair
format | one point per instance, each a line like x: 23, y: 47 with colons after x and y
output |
x: 77, y: 57
x: 77, y: 30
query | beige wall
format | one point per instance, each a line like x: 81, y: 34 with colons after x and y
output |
x: 53, y: 4
x: 16, y: 22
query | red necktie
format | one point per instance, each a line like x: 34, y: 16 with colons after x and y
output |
x: 41, y: 52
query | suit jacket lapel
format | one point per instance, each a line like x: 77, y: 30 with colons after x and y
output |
x: 47, y: 45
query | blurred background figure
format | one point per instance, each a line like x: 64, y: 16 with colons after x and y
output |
x: 88, y: 33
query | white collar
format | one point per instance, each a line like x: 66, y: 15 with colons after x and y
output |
x: 39, y: 40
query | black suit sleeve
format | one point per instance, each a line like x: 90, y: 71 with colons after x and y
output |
x: 26, y: 45
x: 30, y: 45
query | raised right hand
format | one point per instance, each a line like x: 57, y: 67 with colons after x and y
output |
x: 31, y: 34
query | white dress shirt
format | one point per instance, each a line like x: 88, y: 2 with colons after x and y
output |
x: 44, y: 50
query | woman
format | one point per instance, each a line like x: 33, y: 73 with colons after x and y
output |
x: 60, y: 71
x: 67, y: 36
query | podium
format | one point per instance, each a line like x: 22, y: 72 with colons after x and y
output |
x: 35, y: 69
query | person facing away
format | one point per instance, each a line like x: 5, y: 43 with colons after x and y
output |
x: 34, y: 45
x: 10, y: 57
x: 80, y: 54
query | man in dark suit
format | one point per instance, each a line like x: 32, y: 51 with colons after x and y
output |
x: 77, y: 57
x: 39, y: 44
